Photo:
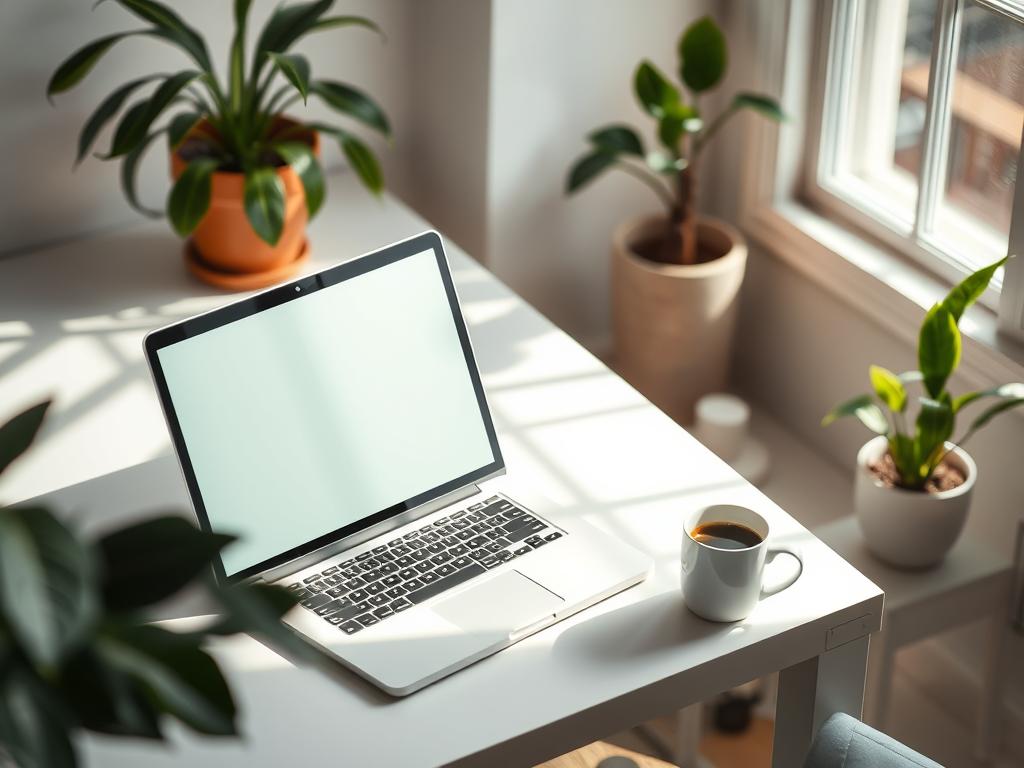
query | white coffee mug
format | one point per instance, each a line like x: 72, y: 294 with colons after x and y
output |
x: 726, y: 584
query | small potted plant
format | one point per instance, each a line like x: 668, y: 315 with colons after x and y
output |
x: 913, y: 484
x: 675, y: 277
x: 247, y: 178
x: 78, y: 651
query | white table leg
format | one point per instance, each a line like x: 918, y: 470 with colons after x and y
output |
x: 811, y: 691
x: 689, y: 723
x: 990, y: 707
x: 879, y: 685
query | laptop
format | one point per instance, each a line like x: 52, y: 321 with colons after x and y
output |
x: 337, y: 424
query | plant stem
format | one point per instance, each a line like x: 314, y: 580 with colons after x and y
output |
x: 687, y: 217
x: 713, y: 127
x: 652, y: 182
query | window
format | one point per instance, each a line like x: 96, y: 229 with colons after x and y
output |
x: 922, y: 111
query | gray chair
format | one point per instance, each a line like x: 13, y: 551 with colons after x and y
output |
x: 845, y: 742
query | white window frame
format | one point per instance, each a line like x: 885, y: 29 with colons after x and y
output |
x: 854, y: 258
x: 857, y: 201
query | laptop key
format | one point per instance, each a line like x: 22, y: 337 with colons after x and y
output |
x: 429, y: 578
x: 400, y: 605
x: 420, y: 554
x: 450, y: 541
x: 536, y: 541
x: 435, y: 547
x: 502, y: 542
x: 504, y: 555
x: 522, y: 550
x: 401, y: 550
x: 519, y: 534
x: 441, y: 559
x: 514, y: 512
x: 458, y: 551
x: 464, y: 535
x: 479, y: 554
x: 492, y: 547
x: 380, y: 599
x: 375, y: 588
x: 385, y: 557
x: 491, y: 561
x: 553, y: 536
x: 391, y: 581
x: 444, y: 570
x: 461, y: 562
x: 442, y: 585
x: 335, y: 619
x: 423, y: 567
x: 389, y: 568
x: 364, y: 556
x: 383, y: 612
x: 355, y: 583
x: 336, y: 592
x: 404, y: 562
x: 440, y: 521
x: 329, y: 571
x: 358, y: 594
x: 378, y: 550
x: 395, y: 542
x: 408, y: 573
x: 369, y: 565
x: 302, y: 594
x: 396, y: 592
x: 414, y: 584
x: 373, y: 575
x: 362, y: 607
x: 458, y: 514
x: 351, y: 627
x: 367, y: 619
x: 311, y: 579
x: 477, y: 541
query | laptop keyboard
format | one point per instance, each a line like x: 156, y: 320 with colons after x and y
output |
x: 393, y: 577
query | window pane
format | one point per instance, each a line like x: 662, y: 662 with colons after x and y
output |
x: 881, y: 119
x: 984, y: 138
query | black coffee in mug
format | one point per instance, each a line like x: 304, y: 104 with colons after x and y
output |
x: 724, y: 535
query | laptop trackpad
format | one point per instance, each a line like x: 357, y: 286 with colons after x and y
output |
x: 508, y: 603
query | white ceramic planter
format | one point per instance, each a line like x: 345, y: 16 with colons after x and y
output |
x: 910, y: 529
x: 674, y: 325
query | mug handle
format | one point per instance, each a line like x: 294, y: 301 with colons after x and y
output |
x: 773, y: 552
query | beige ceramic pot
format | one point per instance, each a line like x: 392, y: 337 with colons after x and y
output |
x: 673, y: 325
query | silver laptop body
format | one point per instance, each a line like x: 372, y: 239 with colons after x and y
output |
x: 337, y: 424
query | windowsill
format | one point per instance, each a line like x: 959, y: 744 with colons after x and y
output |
x: 892, y: 291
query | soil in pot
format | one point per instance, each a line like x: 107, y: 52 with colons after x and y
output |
x: 944, y: 478
x: 657, y: 250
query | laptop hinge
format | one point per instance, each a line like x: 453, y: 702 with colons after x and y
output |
x: 300, y: 563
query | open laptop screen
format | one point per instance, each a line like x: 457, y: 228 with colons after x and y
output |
x: 352, y: 401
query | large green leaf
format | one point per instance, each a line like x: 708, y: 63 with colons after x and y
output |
x: 352, y: 102
x: 135, y: 124
x: 888, y: 387
x: 257, y: 609
x: 617, y: 138
x: 903, y: 450
x: 703, y: 55
x: 264, y: 203
x: 107, y: 699
x: 47, y: 584
x: 332, y: 22
x: 295, y: 68
x: 33, y: 725
x: 655, y: 93
x: 80, y: 63
x: 760, y: 103
x: 150, y: 561
x: 129, y: 167
x: 865, y: 409
x: 177, y: 674
x: 172, y: 28
x: 938, y: 348
x: 588, y: 168
x: 364, y: 163
x: 934, y: 427
x: 302, y: 160
x: 18, y: 433
x: 286, y: 25
x: 968, y: 291
x: 105, y: 111
x: 189, y: 198
x: 236, y: 74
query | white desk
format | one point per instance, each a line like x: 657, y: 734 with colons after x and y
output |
x: 575, y: 430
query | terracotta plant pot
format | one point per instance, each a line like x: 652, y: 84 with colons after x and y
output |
x: 674, y: 325
x: 225, y: 251
x: 910, y: 529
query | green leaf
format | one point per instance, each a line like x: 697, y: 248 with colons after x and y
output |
x: 990, y: 413
x: 129, y: 166
x: 286, y: 25
x: 302, y: 160
x: 903, y: 450
x: 347, y: 21
x: 1004, y: 391
x: 135, y: 124
x: 617, y: 138
x: 171, y: 27
x: 237, y: 56
x: 888, y: 387
x: 80, y: 63
x: 588, y: 168
x: 764, y: 105
x: 105, y: 111
x: 968, y: 291
x: 18, y: 433
x: 255, y: 608
x: 938, y: 349
x: 352, y: 102
x: 264, y: 203
x: 189, y: 198
x: 152, y: 560
x: 180, y: 126
x: 656, y: 94
x: 702, y: 55
x: 47, y: 584
x: 295, y: 67
x: 934, y: 427
x: 106, y: 699
x: 364, y: 162
x: 34, y: 728
x: 864, y: 408
x: 176, y: 673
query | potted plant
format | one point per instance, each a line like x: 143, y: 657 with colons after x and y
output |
x: 247, y: 178
x: 77, y: 651
x: 913, y: 484
x: 675, y: 277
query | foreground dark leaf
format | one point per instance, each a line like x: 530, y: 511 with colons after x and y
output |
x: 106, y: 699
x: 150, y: 561
x: 18, y: 433
x: 33, y: 724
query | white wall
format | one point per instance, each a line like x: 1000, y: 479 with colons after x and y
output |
x: 41, y: 200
